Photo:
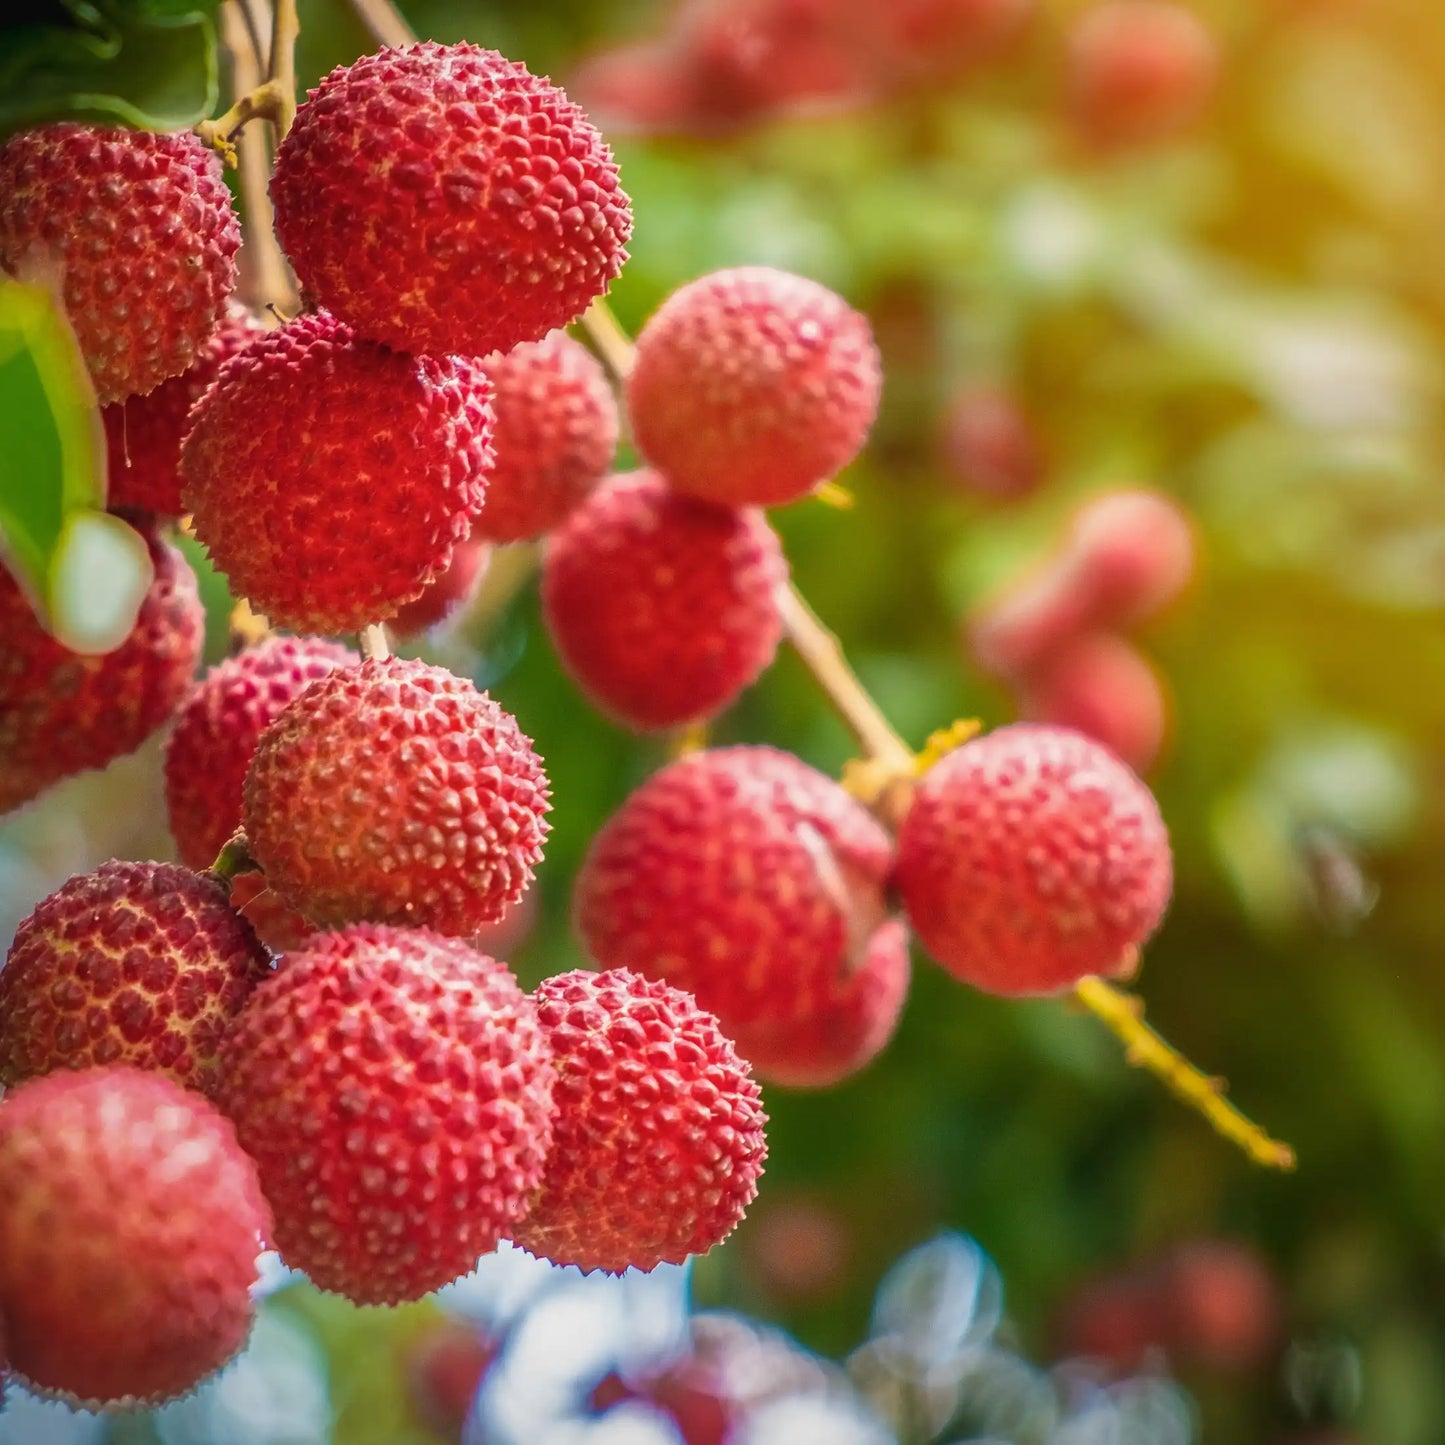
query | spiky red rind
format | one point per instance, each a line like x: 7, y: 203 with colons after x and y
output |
x: 451, y: 592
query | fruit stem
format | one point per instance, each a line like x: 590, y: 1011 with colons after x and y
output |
x: 374, y: 644
x: 384, y: 22
x: 248, y: 627
x: 1123, y: 1015
x: 612, y: 344
x: 234, y: 858
x: 274, y: 99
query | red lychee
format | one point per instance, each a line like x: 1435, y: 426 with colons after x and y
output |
x: 1222, y: 1304
x: 440, y: 198
x: 658, y: 1140
x: 129, y: 1230
x: 445, y: 1368
x: 756, y: 884
x: 396, y: 792
x: 394, y: 1089
x: 1030, y: 858
x: 137, y: 963
x: 450, y: 593
x: 990, y: 446
x: 753, y: 385
x: 280, y: 928
x: 662, y: 607
x: 331, y: 478
x: 556, y: 435
x: 138, y: 230
x: 62, y: 713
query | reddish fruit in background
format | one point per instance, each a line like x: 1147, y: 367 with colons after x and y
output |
x: 913, y: 40
x: 62, y: 713
x: 1223, y: 1304
x: 1119, y: 1322
x: 1030, y: 858
x: 129, y: 1230
x: 512, y: 930
x: 797, y: 1246
x: 445, y: 1367
x: 663, y: 608
x: 658, y: 1139
x: 756, y: 884
x: 137, y: 963
x: 395, y: 792
x: 138, y: 231
x: 752, y: 385
x: 341, y: 531
x: 990, y: 446
x: 280, y: 928
x: 394, y: 1089
x: 440, y: 198
x: 448, y: 595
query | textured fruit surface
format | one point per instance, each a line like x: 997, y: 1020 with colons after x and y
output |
x: 658, y: 1139
x: 756, y: 884
x: 217, y: 728
x: 129, y: 1225
x: 663, y: 608
x: 61, y: 713
x: 139, y: 230
x: 340, y: 531
x: 137, y: 963
x: 1030, y: 858
x: 449, y: 593
x: 280, y: 928
x: 556, y: 435
x: 752, y: 386
x: 440, y: 198
x: 143, y: 435
x: 395, y: 792
x: 394, y: 1089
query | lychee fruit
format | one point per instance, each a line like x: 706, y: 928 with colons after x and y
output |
x: 137, y: 963
x: 990, y: 446
x: 395, y: 792
x: 445, y: 1367
x: 139, y: 232
x: 280, y: 928
x: 130, y: 1223
x: 394, y: 1089
x: 1031, y: 857
x: 658, y: 1140
x: 63, y: 713
x: 450, y: 593
x: 663, y: 608
x: 440, y: 198
x: 752, y: 385
x: 756, y: 884
x: 556, y: 435
x: 330, y: 478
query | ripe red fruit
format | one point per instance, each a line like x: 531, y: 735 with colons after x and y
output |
x: 663, y: 608
x: 1119, y: 1322
x: 989, y: 445
x: 394, y: 1089
x: 915, y: 40
x: 440, y: 198
x: 756, y: 884
x: 445, y: 1368
x: 449, y: 594
x: 340, y: 531
x: 1030, y: 858
x: 752, y: 385
x: 129, y: 1229
x: 137, y: 963
x: 280, y: 928
x: 395, y: 792
x: 1223, y: 1304
x: 61, y: 713
x: 556, y: 436
x: 658, y: 1140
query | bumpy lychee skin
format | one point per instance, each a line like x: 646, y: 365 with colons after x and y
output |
x: 448, y: 594
x: 658, y: 1140
x: 1030, y: 858
x: 556, y: 435
x: 752, y: 386
x: 756, y: 884
x: 129, y: 1230
x: 396, y: 793
x: 440, y: 198
x: 140, y: 232
x: 137, y: 963
x: 61, y: 713
x: 662, y: 607
x: 395, y: 1091
x: 331, y: 478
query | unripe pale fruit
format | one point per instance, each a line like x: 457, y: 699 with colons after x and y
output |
x: 394, y: 1089
x: 662, y: 607
x: 756, y: 884
x: 143, y: 964
x: 753, y: 385
x: 130, y: 1222
x: 330, y: 533
x: 395, y: 792
x: 658, y: 1139
x: 556, y: 436
x: 440, y: 198
x: 137, y: 229
x: 1030, y: 858
x: 449, y: 594
x: 990, y: 446
x: 61, y: 713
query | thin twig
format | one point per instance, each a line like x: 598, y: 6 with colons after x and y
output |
x: 384, y: 22
x: 374, y: 644
x: 281, y: 67
x: 613, y: 346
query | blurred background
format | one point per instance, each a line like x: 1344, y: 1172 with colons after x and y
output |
x: 1190, y: 250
